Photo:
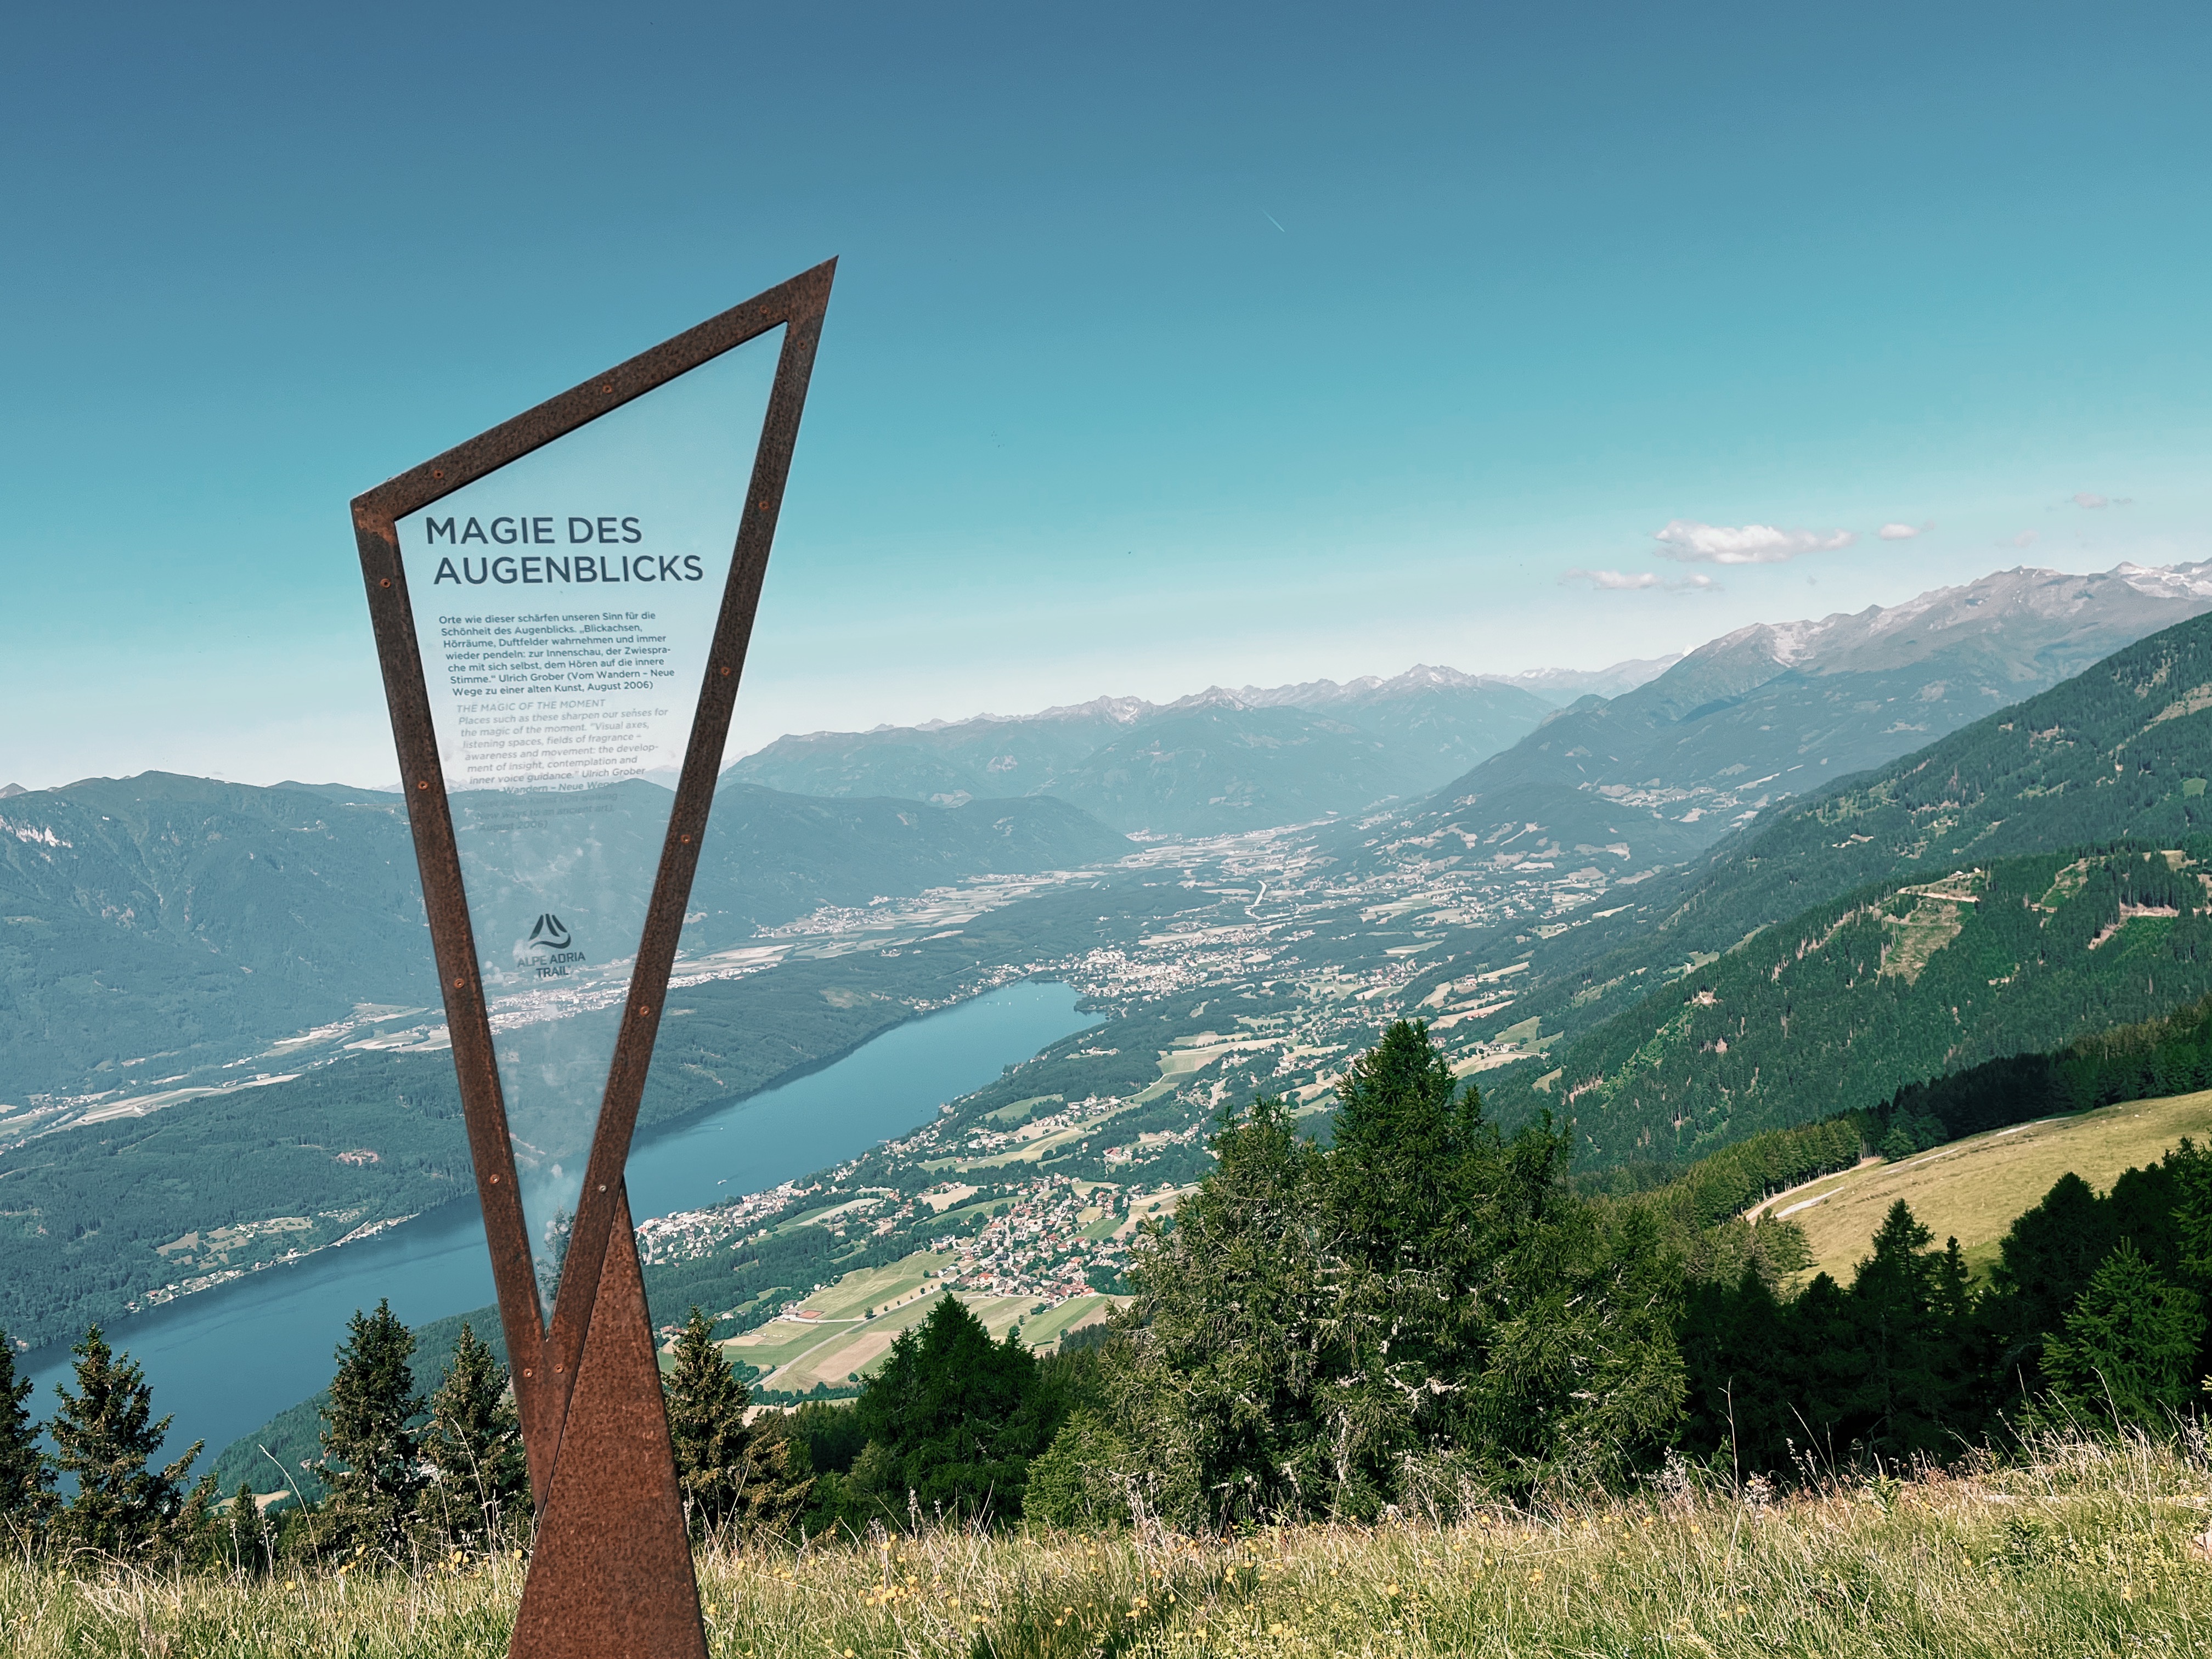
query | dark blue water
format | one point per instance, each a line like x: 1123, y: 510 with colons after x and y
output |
x: 226, y: 1360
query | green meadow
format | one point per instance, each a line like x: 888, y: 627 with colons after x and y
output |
x: 2084, y: 1547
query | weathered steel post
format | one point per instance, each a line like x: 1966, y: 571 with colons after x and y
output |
x: 570, y: 603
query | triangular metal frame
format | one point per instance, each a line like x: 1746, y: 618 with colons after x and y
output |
x: 598, y: 1284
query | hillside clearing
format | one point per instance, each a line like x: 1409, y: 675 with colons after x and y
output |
x: 1974, y: 1189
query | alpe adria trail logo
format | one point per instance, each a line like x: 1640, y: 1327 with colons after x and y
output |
x: 547, y: 952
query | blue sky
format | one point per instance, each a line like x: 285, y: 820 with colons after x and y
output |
x: 1171, y: 345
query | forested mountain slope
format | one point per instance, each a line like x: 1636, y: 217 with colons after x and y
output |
x: 2121, y: 750
x: 171, y: 919
x: 1841, y: 1006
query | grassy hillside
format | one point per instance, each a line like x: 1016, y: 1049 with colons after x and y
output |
x: 2091, y: 1549
x: 1837, y: 1009
x: 1974, y: 1189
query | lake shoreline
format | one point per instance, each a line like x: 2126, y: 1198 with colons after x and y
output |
x: 436, y: 1264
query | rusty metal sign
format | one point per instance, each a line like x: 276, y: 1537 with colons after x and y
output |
x: 545, y: 599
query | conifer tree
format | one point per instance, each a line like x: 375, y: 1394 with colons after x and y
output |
x: 242, y: 1525
x: 370, y: 1457
x: 106, y: 1435
x: 2192, y: 1213
x: 1486, y: 1313
x: 27, y: 1477
x: 952, y: 1419
x: 731, y: 1474
x: 1910, y: 1306
x: 2046, y: 1258
x: 195, y: 1537
x: 1225, y: 1392
x: 2127, y: 1349
x: 473, y: 1445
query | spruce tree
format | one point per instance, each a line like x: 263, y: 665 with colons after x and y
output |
x: 242, y: 1526
x: 1910, y: 1307
x: 952, y: 1419
x: 26, y: 1476
x: 2046, y: 1257
x: 1743, y: 1389
x: 473, y: 1446
x: 1426, y: 1293
x: 1224, y: 1393
x: 1483, y: 1312
x: 1405, y: 1134
x: 731, y: 1476
x: 2129, y: 1345
x: 370, y: 1457
x: 105, y: 1432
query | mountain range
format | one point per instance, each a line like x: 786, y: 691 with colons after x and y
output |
x: 1655, y: 776
x: 1219, y: 762
x: 2037, y: 875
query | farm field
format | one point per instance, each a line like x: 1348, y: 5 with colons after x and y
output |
x: 1044, y: 1330
x: 797, y: 1354
x: 1973, y: 1190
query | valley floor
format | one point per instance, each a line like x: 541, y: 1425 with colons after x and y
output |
x: 2089, y: 1549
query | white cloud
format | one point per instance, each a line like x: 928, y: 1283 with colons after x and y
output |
x: 2092, y: 500
x: 1901, y: 532
x: 2026, y: 538
x: 1691, y: 542
x: 1629, y: 580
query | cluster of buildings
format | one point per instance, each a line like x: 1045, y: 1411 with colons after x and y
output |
x: 689, y: 1235
x: 1049, y: 1244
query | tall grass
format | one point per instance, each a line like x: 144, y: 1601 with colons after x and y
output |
x: 2089, y: 1548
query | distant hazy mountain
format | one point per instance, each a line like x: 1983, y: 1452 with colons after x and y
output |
x: 1776, y: 710
x: 1217, y: 762
x: 150, y: 924
x: 1564, y: 684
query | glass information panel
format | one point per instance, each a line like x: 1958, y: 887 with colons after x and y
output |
x: 565, y: 605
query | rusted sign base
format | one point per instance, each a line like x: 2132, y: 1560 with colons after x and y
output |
x: 611, y: 1575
